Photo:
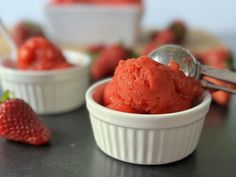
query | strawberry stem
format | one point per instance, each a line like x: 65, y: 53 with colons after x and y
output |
x: 5, y: 96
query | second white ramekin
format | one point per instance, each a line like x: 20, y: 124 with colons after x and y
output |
x: 145, y: 138
x: 50, y: 92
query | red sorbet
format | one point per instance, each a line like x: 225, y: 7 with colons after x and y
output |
x: 144, y: 86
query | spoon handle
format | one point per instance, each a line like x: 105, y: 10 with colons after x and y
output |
x: 221, y: 74
x: 208, y: 84
x: 7, y: 36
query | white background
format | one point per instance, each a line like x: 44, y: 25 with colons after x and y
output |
x: 215, y: 16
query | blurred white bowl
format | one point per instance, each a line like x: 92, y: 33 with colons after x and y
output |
x: 50, y: 92
x: 93, y: 24
x: 145, y: 138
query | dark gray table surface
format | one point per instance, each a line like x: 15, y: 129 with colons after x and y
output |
x: 72, y: 150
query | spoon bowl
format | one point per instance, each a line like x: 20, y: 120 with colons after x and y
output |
x: 180, y: 55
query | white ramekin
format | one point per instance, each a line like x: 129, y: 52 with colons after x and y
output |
x: 92, y: 24
x: 50, y: 92
x: 145, y: 138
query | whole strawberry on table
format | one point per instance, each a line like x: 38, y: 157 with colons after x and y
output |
x: 107, y: 58
x: 220, y: 58
x: 19, y: 122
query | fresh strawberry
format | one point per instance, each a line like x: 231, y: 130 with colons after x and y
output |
x: 151, y: 46
x: 179, y: 29
x: 159, y: 38
x: 94, y: 49
x: 174, y: 34
x: 107, y: 61
x: 18, y: 122
x: 153, y: 35
x: 24, y: 30
x: 38, y: 53
x: 166, y: 36
x: 217, y: 57
x: 220, y: 97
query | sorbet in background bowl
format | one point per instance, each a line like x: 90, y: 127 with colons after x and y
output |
x: 39, y: 54
x: 140, y: 125
x: 50, y: 80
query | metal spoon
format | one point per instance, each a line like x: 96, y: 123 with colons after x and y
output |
x: 191, y: 67
x: 7, y: 36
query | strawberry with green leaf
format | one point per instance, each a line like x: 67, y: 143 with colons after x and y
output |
x: 18, y: 122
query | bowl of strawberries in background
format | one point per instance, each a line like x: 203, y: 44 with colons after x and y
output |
x: 50, y: 80
x: 93, y: 22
